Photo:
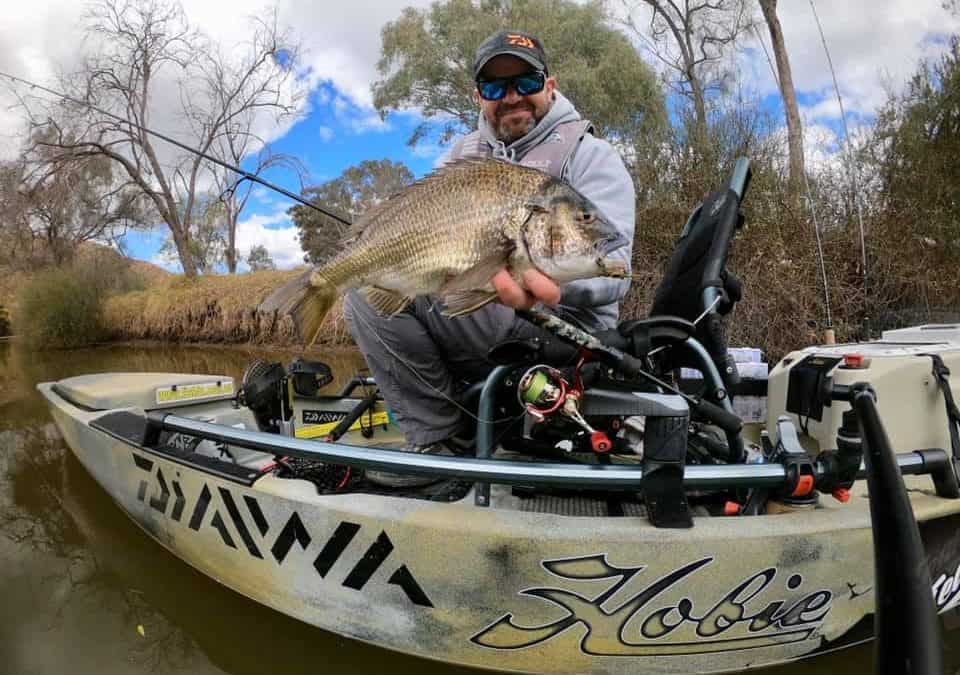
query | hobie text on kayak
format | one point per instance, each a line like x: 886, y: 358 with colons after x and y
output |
x: 766, y: 608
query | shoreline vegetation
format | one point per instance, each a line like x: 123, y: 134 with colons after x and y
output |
x: 104, y: 297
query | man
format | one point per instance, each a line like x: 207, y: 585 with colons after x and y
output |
x: 418, y: 357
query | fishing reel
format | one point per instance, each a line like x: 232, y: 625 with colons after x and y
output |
x: 544, y: 393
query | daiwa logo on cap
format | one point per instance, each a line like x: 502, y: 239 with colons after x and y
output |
x: 520, y: 41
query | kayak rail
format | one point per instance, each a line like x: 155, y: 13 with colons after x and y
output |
x: 571, y: 475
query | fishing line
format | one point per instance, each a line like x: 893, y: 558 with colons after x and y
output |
x: 809, y: 198
x: 709, y: 309
x: 244, y: 174
x: 256, y: 179
x: 851, y: 160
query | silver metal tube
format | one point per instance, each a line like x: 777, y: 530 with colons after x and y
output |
x: 910, y: 463
x: 594, y: 476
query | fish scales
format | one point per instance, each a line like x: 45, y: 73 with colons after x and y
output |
x: 450, y: 232
x: 440, y: 230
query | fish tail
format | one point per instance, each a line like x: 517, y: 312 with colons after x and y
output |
x: 306, y: 299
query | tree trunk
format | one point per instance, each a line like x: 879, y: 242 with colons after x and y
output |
x: 231, y: 252
x: 789, y: 95
x: 182, y: 241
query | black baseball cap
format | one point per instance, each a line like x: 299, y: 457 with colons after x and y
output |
x: 514, y: 42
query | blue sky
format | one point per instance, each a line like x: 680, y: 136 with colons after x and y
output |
x: 337, y: 133
x: 875, y: 45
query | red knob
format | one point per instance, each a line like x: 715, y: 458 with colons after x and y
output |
x: 599, y: 442
x: 731, y: 509
x: 804, y: 486
x: 842, y: 495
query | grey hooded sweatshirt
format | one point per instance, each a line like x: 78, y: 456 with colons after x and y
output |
x: 596, y: 171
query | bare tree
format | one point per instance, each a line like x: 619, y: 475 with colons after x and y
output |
x: 208, y: 234
x: 15, y: 235
x: 67, y: 200
x: 692, y: 38
x: 147, y: 45
x: 789, y: 95
x: 233, y: 147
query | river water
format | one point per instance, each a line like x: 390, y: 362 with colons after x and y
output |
x: 84, y: 591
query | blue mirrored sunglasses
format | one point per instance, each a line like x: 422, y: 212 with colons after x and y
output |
x: 525, y: 85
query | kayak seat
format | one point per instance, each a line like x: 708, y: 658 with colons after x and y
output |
x: 643, y: 335
x: 697, y: 286
x: 687, y: 320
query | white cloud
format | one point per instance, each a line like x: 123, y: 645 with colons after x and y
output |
x: 263, y: 195
x: 167, y: 262
x: 326, y: 133
x: 341, y: 47
x: 371, y: 122
x: 870, y: 43
x: 821, y: 147
x: 427, y: 150
x: 280, y: 239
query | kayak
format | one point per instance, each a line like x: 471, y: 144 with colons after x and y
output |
x: 543, y: 577
x: 642, y: 499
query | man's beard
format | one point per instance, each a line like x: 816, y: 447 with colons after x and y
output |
x: 514, y: 130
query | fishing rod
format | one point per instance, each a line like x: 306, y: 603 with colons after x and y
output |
x: 245, y: 175
x: 852, y: 171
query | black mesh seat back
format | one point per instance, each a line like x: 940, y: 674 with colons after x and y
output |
x: 698, y: 262
x: 699, y: 258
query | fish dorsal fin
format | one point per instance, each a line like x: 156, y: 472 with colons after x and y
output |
x: 459, y: 303
x: 385, y: 301
x: 368, y: 222
x: 361, y: 226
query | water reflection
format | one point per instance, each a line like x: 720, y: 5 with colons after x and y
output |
x: 85, y: 591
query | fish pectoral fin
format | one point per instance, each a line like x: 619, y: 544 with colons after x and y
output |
x: 459, y: 303
x: 480, y: 274
x: 385, y: 301
x: 538, y: 205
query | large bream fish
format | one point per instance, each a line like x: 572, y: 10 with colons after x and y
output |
x: 449, y: 233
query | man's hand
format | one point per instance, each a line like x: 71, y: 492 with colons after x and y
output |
x: 539, y: 288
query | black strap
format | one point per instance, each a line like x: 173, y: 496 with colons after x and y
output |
x: 942, y: 373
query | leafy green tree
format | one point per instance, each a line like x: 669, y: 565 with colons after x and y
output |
x: 355, y: 190
x: 919, y: 142
x: 259, y: 259
x: 427, y: 56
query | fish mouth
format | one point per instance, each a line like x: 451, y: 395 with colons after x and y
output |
x: 615, y: 268
x: 611, y: 243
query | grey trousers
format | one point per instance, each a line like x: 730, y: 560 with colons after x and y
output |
x: 418, y: 358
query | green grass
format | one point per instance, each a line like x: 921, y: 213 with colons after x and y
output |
x: 59, y: 309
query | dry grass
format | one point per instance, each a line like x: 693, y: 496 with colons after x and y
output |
x: 783, y: 309
x: 105, y: 267
x: 221, y: 308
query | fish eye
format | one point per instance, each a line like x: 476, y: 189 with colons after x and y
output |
x: 586, y: 217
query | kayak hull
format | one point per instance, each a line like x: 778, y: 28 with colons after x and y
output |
x: 513, y: 590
